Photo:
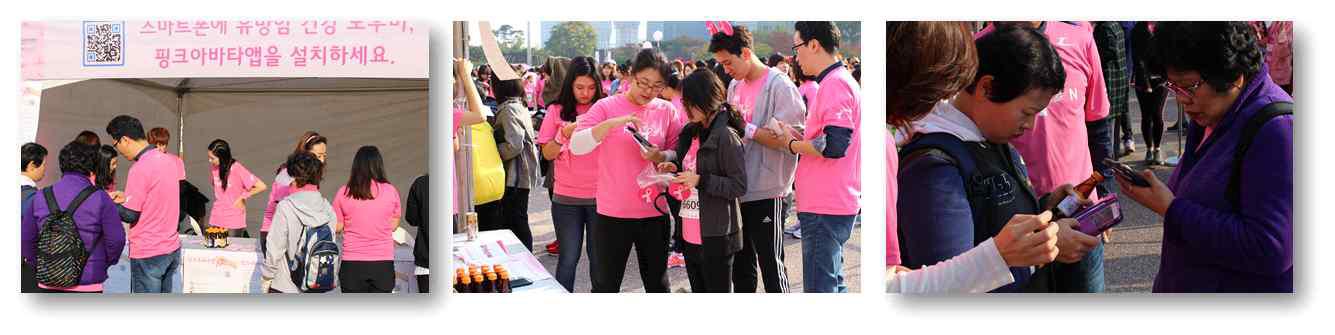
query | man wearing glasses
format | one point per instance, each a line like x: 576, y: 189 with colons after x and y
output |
x: 151, y: 205
x: 828, y: 182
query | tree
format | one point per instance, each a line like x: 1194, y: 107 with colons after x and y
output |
x: 572, y: 39
x: 684, y: 47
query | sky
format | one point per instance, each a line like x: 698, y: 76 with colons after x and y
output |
x: 534, y: 34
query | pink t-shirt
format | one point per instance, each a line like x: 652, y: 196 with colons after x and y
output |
x: 77, y: 288
x: 808, y: 91
x: 832, y: 186
x: 576, y: 177
x: 607, y: 86
x: 239, y: 182
x: 690, y: 206
x: 281, y: 188
x: 618, y: 155
x: 1056, y: 150
x: 153, y: 189
x: 368, y: 233
x: 891, y: 198
x: 458, y: 121
x: 747, y: 92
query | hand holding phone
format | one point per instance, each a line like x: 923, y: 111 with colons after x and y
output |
x: 1125, y: 172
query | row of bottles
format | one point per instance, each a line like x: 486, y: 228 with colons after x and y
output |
x: 482, y: 279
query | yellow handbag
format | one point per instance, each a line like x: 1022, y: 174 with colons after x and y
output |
x: 488, y: 172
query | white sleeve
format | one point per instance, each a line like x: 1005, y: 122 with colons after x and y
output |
x: 978, y: 270
x: 582, y: 142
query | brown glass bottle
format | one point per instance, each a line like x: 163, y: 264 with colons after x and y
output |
x: 1086, y: 188
x: 503, y: 279
x: 463, y: 284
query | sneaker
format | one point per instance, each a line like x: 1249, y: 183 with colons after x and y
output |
x: 794, y: 230
x: 1128, y: 147
x: 676, y: 260
x: 554, y: 247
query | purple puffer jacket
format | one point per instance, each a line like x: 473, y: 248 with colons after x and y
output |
x: 99, y: 226
x: 1210, y: 246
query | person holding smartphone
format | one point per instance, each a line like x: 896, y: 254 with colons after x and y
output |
x: 627, y: 215
x: 1228, y: 206
x: 960, y: 159
x: 710, y: 180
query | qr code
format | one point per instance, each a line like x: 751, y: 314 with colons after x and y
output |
x: 103, y: 43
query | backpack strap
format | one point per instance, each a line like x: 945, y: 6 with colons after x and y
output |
x: 78, y: 200
x: 50, y: 194
x: 957, y: 153
x: 1249, y: 131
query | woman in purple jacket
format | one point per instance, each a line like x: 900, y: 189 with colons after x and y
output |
x: 96, y: 219
x: 1219, y: 238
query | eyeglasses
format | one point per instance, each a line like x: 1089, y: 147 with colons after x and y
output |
x: 651, y: 87
x: 804, y: 43
x: 1185, y: 92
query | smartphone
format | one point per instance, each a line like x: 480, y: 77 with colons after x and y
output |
x: 644, y: 143
x: 1099, y: 217
x: 1124, y: 171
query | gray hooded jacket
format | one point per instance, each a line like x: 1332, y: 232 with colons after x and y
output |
x: 298, y: 210
x: 770, y: 172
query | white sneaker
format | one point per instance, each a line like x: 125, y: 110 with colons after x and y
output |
x: 794, y: 230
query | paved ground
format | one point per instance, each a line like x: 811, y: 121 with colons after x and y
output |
x: 540, y: 220
x: 1131, y: 259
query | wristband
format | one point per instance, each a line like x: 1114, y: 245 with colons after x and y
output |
x: 790, y: 146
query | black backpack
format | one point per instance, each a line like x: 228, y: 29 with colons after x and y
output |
x: 989, y: 193
x: 61, y: 255
x: 1249, y: 131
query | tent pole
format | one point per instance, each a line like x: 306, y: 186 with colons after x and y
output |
x: 463, y: 162
x: 180, y: 124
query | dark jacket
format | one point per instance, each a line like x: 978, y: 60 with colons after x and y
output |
x: 719, y: 162
x: 416, y: 216
x: 943, y: 212
x: 1209, y: 245
x: 97, y: 221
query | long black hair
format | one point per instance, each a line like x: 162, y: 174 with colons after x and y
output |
x: 367, y: 166
x: 103, y: 174
x: 223, y: 151
x: 702, y: 90
x: 582, y: 66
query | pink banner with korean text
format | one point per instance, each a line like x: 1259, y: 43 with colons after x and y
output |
x: 224, y: 48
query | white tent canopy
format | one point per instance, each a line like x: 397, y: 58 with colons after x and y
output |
x: 260, y: 117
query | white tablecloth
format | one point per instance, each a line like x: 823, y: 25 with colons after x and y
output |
x: 502, y: 247
x: 235, y: 269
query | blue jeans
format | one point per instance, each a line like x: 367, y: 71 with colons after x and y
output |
x: 572, y: 223
x: 154, y: 274
x: 823, y: 238
x: 1085, y: 276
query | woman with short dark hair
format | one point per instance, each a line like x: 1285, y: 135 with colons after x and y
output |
x: 303, y: 208
x: 94, y: 214
x: 1228, y: 206
x: 519, y: 155
x: 611, y: 133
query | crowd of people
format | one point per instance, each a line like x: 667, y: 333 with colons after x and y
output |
x: 685, y: 161
x: 157, y: 204
x: 991, y: 127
